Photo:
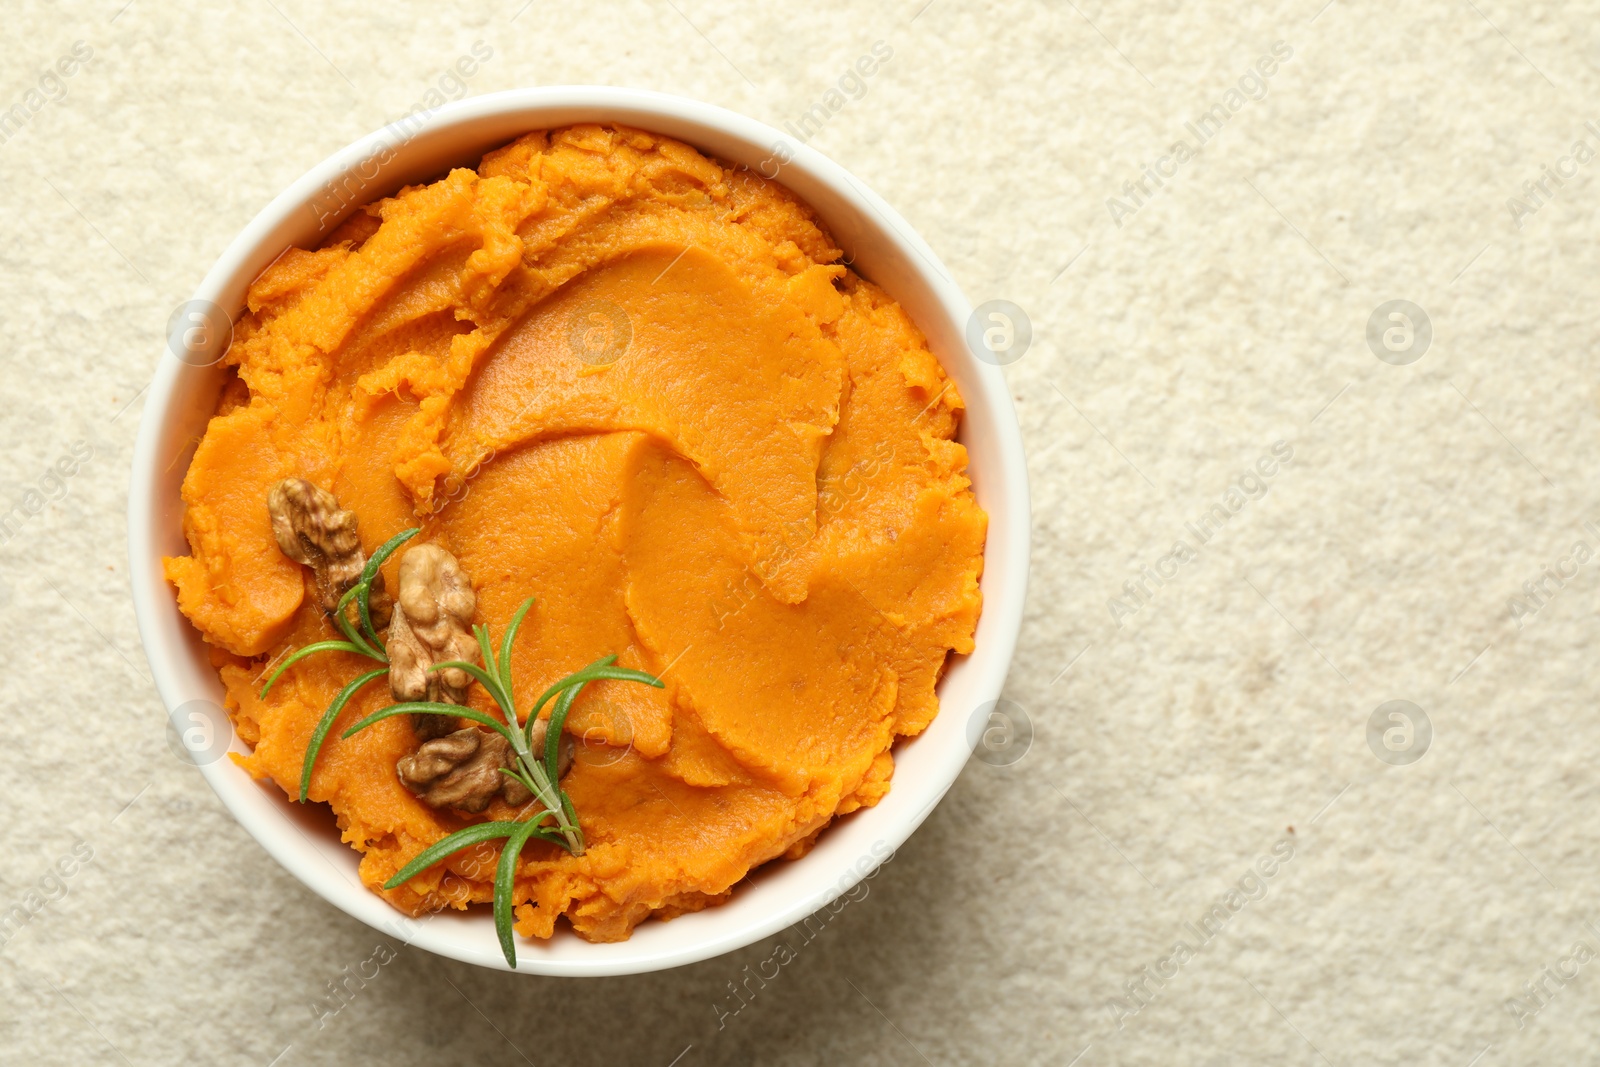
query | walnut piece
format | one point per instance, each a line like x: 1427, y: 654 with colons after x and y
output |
x: 312, y: 529
x: 462, y: 770
x: 431, y: 624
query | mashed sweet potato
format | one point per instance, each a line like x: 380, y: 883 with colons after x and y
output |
x: 609, y: 372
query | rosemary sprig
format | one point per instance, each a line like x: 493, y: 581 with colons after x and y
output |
x: 536, y: 771
x: 363, y: 642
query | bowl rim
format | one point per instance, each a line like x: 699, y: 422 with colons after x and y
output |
x: 854, y: 846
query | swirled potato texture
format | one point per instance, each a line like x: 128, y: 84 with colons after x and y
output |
x: 640, y: 385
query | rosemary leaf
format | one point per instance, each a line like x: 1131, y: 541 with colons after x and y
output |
x: 510, y: 636
x: 572, y: 817
x: 484, y: 678
x: 364, y: 611
x: 504, y: 882
x: 544, y: 791
x: 555, y: 689
x: 552, y: 733
x: 521, y: 779
x: 342, y: 621
x: 486, y: 650
x: 428, y: 707
x: 600, y: 670
x: 369, y: 574
x: 301, y: 653
x: 326, y: 723
x: 384, y: 551
x: 475, y: 834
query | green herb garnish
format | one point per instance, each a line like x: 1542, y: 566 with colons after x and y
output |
x: 537, y: 771
x: 360, y: 638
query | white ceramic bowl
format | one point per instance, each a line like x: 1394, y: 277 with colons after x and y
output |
x: 882, y: 247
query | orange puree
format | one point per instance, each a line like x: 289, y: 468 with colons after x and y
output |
x: 611, y: 373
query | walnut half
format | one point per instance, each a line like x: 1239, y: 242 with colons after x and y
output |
x: 431, y: 624
x: 312, y: 529
x: 462, y: 770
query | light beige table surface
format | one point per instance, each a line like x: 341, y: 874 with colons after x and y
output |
x: 1189, y: 734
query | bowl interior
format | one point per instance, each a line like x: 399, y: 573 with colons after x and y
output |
x: 880, y: 246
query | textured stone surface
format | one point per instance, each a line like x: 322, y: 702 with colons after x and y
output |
x: 1171, y: 351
